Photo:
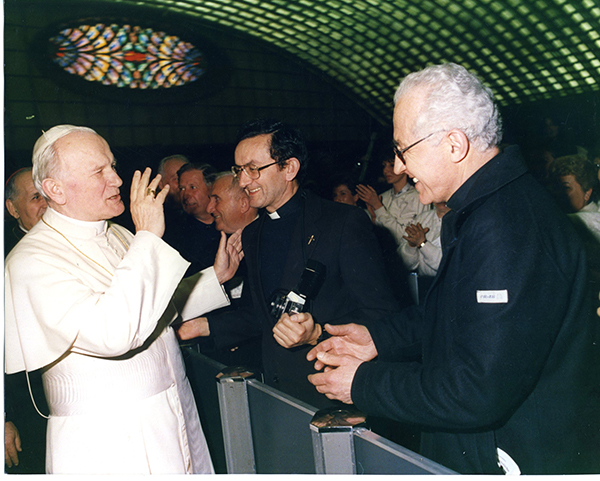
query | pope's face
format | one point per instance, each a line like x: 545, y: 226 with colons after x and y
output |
x: 271, y: 190
x: 425, y: 162
x: 90, y: 182
x: 28, y: 205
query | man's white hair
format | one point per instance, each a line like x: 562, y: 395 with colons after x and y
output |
x: 454, y: 99
x: 44, y: 159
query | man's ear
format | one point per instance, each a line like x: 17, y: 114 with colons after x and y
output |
x: 586, y: 195
x: 12, y: 210
x: 292, y: 168
x: 458, y: 145
x: 244, y: 204
x: 54, y: 191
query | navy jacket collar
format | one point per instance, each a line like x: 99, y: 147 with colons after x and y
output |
x: 505, y: 167
x: 501, y: 170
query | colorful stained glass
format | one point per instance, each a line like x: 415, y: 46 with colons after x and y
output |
x: 127, y: 56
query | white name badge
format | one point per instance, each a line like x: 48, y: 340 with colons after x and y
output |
x: 492, y: 297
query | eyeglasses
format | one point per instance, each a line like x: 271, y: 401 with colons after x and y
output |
x: 400, y: 152
x: 251, y: 170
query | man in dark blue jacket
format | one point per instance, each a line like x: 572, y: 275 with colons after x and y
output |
x: 499, y: 367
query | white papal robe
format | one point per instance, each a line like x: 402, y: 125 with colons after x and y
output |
x: 91, y: 304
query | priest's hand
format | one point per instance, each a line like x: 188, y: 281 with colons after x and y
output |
x: 229, y: 256
x: 197, y: 327
x: 347, y: 339
x: 146, y: 205
x: 336, y: 381
x: 296, y: 330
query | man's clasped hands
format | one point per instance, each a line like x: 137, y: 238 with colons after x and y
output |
x: 339, y: 357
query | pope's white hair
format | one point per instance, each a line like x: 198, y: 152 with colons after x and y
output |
x: 44, y: 159
x: 454, y: 99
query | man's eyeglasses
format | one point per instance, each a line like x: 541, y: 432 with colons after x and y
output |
x: 400, y: 152
x: 251, y: 170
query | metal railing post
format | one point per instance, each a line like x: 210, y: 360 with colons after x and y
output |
x: 332, y: 431
x: 235, y: 420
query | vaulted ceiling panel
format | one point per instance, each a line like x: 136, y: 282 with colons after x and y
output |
x: 526, y: 50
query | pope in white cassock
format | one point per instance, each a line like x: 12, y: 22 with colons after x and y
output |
x: 90, y: 303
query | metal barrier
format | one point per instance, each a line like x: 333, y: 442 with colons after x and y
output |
x: 264, y: 431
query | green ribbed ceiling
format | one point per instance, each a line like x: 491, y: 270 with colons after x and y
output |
x: 525, y: 50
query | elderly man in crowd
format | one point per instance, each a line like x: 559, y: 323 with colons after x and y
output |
x: 195, y: 235
x: 229, y: 204
x: 90, y: 304
x: 24, y: 203
x: 24, y: 430
x: 499, y: 367
x: 230, y: 207
x: 168, y: 168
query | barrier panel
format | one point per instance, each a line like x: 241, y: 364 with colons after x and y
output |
x: 280, y: 431
x: 264, y: 431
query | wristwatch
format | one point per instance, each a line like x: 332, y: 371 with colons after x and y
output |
x: 422, y: 244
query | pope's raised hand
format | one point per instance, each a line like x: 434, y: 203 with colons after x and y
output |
x: 147, y: 211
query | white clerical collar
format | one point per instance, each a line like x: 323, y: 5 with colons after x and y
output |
x: 274, y: 215
x: 99, y: 226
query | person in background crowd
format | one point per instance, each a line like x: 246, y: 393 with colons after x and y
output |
x: 231, y: 209
x: 195, y: 235
x: 576, y: 184
x: 396, y: 207
x: 168, y: 168
x: 421, y: 250
x: 24, y: 429
x: 24, y: 203
x: 344, y: 192
x: 500, y: 366
x: 229, y: 204
x: 421, y: 247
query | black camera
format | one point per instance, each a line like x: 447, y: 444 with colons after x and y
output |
x: 298, y: 300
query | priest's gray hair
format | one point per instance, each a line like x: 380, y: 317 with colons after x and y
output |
x: 455, y: 99
x: 45, y: 161
x: 234, y: 184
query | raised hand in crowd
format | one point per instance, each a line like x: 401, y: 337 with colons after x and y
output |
x: 369, y: 196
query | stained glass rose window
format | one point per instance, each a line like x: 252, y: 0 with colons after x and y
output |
x: 127, y: 56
